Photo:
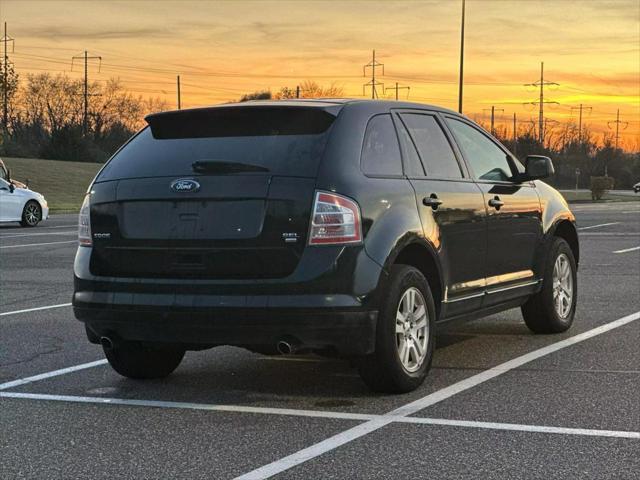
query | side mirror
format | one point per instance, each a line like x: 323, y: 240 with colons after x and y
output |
x: 12, y: 187
x: 538, y: 166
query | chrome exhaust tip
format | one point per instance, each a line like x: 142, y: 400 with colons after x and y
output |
x: 106, y: 343
x: 284, y: 347
x: 288, y: 345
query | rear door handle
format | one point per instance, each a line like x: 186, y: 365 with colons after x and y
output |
x: 496, y: 203
x: 432, y: 201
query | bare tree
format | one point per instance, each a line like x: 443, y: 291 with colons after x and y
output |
x: 311, y: 89
x: 259, y: 95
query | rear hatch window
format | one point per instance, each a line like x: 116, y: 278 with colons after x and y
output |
x: 281, y: 141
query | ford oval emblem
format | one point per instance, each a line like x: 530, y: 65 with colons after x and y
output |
x: 185, y: 185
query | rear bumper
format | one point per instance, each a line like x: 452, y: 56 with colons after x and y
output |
x: 350, y: 332
x: 327, y: 302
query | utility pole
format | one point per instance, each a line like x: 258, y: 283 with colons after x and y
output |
x: 179, y: 98
x: 515, y: 134
x: 5, y: 81
x: 580, y: 108
x: 461, y: 79
x: 617, y: 122
x: 541, y: 83
x: 396, y: 88
x: 297, y: 91
x: 493, y: 113
x: 86, y: 57
x: 373, y: 83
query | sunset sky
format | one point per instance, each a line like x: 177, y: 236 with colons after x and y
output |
x: 226, y: 48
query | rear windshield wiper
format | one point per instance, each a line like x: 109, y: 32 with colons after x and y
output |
x: 217, y: 166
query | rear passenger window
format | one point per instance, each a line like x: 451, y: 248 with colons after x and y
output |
x: 435, y: 151
x: 381, y: 152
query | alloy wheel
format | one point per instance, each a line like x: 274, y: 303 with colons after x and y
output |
x: 32, y: 214
x: 562, y: 286
x: 412, y: 329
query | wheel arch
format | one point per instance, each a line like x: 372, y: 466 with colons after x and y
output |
x: 31, y: 199
x: 566, y: 230
x: 422, y: 256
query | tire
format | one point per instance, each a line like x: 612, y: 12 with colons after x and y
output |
x: 31, y: 214
x: 383, y: 370
x: 133, y: 360
x: 541, y: 313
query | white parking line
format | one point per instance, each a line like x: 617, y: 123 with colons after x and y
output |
x: 35, y: 309
x: 20, y: 235
x: 363, y: 429
x: 598, y: 226
x: 323, y: 414
x: 191, y: 406
x: 38, y: 244
x: 40, y: 228
x: 73, y: 225
x: 609, y: 234
x: 521, y: 428
x: 632, y: 249
x: 54, y: 373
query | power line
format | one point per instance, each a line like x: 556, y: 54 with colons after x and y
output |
x: 397, y: 88
x: 200, y: 72
x: 196, y: 72
x: 541, y: 83
x: 86, y: 58
x: 372, y: 83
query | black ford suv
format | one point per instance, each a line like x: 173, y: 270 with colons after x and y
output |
x: 342, y: 226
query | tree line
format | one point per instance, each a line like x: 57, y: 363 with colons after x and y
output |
x: 46, y: 117
x: 46, y: 120
x: 578, y: 156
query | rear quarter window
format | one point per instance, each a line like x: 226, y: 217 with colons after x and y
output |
x: 381, y: 151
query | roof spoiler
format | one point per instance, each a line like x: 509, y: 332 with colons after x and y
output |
x: 240, y: 121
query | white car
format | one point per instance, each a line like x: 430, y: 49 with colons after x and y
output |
x: 21, y: 205
x: 636, y: 188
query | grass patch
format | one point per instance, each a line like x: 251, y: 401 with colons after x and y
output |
x: 63, y: 184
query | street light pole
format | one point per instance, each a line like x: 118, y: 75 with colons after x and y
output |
x: 461, y: 80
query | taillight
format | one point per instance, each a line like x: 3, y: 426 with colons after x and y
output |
x: 84, y: 223
x: 335, y: 220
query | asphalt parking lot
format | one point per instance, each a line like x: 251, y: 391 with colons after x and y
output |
x: 500, y: 402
